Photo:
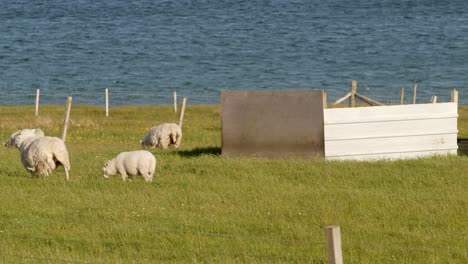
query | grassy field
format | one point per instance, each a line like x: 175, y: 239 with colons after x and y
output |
x: 203, y: 208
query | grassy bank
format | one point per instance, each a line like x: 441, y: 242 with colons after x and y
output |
x: 204, y: 208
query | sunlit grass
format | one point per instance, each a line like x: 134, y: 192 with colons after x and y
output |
x: 202, y: 207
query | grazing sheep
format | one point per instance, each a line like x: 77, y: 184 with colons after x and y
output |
x: 138, y: 162
x: 40, y: 155
x: 162, y: 136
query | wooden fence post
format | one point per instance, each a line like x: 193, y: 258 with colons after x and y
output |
x: 175, y: 102
x: 353, y: 89
x: 67, y: 118
x: 38, y: 91
x: 334, y: 254
x: 107, y: 102
x: 414, y: 92
x: 454, y: 94
x: 324, y: 97
x: 182, y: 111
x: 402, y: 95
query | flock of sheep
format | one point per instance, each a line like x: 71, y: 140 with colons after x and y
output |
x: 40, y: 154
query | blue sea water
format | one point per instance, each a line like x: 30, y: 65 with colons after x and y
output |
x: 144, y: 50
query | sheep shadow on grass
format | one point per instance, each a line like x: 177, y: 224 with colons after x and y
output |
x: 216, y: 151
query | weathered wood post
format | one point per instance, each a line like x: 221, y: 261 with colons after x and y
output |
x: 334, y: 254
x: 38, y: 92
x: 175, y: 102
x: 107, y: 101
x: 324, y: 97
x: 402, y: 95
x: 415, y: 87
x: 454, y: 95
x: 67, y: 118
x: 353, y: 89
x: 182, y: 111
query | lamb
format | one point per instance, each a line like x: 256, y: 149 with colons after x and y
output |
x: 40, y: 155
x: 162, y: 136
x: 138, y: 162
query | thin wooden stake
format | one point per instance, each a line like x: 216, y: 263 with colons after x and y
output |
x: 434, y: 99
x: 402, y: 95
x: 353, y: 89
x: 67, y: 118
x: 334, y: 254
x: 368, y: 100
x: 38, y: 92
x: 175, y: 102
x: 342, y: 99
x: 182, y: 111
x: 324, y: 97
x: 414, y: 92
x: 454, y: 94
x: 107, y: 102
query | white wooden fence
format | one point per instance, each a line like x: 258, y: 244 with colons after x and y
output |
x: 391, y: 132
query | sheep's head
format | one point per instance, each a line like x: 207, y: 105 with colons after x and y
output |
x: 109, y: 169
x: 19, y: 136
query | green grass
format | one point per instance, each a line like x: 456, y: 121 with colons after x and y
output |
x: 203, y: 208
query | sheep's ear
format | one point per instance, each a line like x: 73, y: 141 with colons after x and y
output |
x: 107, y: 163
x: 38, y: 132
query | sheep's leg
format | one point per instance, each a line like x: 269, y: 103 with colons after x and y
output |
x: 124, y: 175
x: 67, y: 174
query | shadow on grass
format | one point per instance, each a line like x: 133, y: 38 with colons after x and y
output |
x: 463, y: 146
x: 200, y: 151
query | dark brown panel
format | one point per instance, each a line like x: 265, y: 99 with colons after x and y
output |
x: 272, y: 123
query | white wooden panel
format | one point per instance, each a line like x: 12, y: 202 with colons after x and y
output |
x: 391, y: 132
x: 393, y: 156
x: 389, y: 113
x: 390, y: 128
x: 390, y: 145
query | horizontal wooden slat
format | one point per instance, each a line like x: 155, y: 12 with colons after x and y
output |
x: 390, y: 145
x: 390, y: 129
x: 393, y: 156
x: 390, y: 113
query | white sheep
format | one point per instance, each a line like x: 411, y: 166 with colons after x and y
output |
x: 162, y: 136
x: 40, y: 155
x: 138, y: 162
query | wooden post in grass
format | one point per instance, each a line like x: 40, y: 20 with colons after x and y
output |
x: 182, y: 111
x: 353, y: 89
x: 454, y: 94
x: 175, y: 102
x: 107, y: 102
x: 38, y: 91
x: 402, y: 95
x: 324, y: 97
x: 434, y: 99
x: 415, y: 87
x: 334, y: 254
x: 67, y: 118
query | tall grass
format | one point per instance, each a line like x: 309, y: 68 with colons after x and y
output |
x: 203, y: 208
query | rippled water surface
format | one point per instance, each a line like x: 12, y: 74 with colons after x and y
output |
x: 144, y: 50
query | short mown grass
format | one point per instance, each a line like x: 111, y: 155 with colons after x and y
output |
x: 205, y: 208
